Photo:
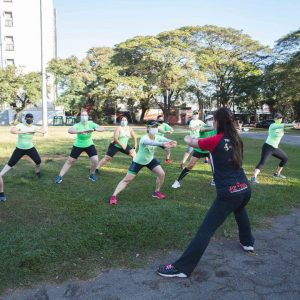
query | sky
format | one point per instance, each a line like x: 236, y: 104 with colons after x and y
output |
x: 82, y: 25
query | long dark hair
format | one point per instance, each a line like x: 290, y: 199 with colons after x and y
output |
x: 226, y: 124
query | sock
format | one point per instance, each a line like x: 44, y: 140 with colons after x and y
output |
x: 183, y: 173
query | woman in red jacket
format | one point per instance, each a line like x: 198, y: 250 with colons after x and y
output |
x: 233, y: 193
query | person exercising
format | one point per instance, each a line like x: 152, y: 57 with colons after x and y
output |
x: 83, y: 143
x: 120, y: 143
x: 145, y: 158
x: 25, y: 132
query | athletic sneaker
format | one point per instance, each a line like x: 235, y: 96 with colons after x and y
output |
x: 170, y: 271
x: 247, y: 248
x: 158, y: 195
x: 168, y: 161
x: 92, y: 177
x: 279, y: 176
x: 58, y: 179
x: 176, y: 184
x: 212, y: 183
x: 113, y: 200
x: 254, y: 180
x: 97, y: 171
x: 2, y: 198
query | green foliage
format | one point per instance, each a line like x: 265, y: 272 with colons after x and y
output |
x: 19, y: 89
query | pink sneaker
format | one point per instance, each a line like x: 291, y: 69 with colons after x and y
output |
x: 158, y: 195
x: 113, y: 200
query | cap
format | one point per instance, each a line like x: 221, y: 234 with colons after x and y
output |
x: 29, y: 116
x: 152, y: 123
x: 278, y: 116
x: 209, y: 117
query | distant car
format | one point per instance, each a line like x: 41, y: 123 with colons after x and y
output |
x: 264, y: 123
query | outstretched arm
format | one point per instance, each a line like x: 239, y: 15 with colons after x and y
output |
x: 133, y: 137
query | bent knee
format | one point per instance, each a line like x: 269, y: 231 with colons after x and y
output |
x: 70, y: 161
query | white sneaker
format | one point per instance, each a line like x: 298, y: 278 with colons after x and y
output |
x: 176, y: 184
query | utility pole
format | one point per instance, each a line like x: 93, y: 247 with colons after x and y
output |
x: 43, y: 73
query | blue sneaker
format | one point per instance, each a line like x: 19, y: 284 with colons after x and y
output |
x: 2, y: 198
x: 92, y: 177
x: 58, y: 179
x: 253, y: 180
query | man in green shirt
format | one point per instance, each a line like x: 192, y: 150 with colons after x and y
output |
x: 270, y: 147
x: 145, y: 158
x: 164, y: 128
x: 83, y: 143
x: 204, y: 132
x: 25, y: 132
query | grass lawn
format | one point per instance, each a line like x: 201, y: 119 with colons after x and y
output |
x: 56, y: 232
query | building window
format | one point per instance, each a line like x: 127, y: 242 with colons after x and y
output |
x: 9, y: 42
x: 8, y: 19
x: 10, y: 62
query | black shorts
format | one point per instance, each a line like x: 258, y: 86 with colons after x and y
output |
x: 199, y: 154
x: 90, y: 151
x: 112, y: 150
x: 135, y: 167
x: 19, y: 153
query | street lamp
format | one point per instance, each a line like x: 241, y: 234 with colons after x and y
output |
x: 43, y: 72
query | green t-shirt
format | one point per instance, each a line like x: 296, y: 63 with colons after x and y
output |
x: 25, y: 140
x: 195, y: 127
x: 84, y: 140
x: 124, y: 135
x: 146, y: 152
x: 276, y: 132
x: 164, y: 127
x: 203, y: 135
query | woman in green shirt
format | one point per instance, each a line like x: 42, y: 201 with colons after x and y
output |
x: 120, y: 143
x: 25, y: 132
x: 83, y: 143
x: 145, y: 158
x: 270, y: 147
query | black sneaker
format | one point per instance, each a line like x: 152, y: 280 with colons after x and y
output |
x: 2, y: 198
x: 97, y: 171
x: 170, y: 271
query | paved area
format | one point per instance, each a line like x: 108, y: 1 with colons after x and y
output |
x: 225, y: 272
x: 291, y: 139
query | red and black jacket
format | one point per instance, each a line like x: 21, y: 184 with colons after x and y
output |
x: 228, y: 179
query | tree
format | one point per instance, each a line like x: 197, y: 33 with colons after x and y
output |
x: 224, y: 54
x: 282, y: 77
x: 19, y: 90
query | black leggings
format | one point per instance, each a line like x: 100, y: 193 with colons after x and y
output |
x: 221, y: 208
x: 268, y: 150
x: 19, y: 153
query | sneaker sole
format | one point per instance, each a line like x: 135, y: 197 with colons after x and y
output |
x: 248, y: 251
x: 180, y: 275
x: 58, y: 182
x: 175, y: 187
